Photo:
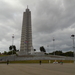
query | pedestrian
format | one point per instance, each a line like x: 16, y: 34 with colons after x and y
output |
x: 40, y: 62
x: 49, y: 61
x: 61, y: 62
x: 7, y: 62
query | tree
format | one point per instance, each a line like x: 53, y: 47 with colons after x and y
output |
x: 10, y: 52
x: 5, y: 53
x: 42, y: 49
x: 34, y: 49
x: 12, y: 47
x: 58, y: 52
x: 69, y: 54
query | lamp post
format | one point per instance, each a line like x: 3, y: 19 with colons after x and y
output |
x: 54, y: 45
x: 73, y: 37
x: 12, y: 43
x: 48, y: 48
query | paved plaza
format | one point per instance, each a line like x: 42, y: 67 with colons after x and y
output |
x: 37, y: 69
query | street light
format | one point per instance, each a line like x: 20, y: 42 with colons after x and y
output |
x: 54, y: 45
x: 48, y: 48
x: 12, y: 43
x: 73, y: 37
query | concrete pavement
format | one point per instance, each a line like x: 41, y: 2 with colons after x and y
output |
x: 37, y: 69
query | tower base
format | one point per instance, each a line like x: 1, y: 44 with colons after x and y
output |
x: 22, y: 53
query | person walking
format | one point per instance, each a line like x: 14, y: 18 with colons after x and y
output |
x: 40, y: 62
x: 7, y: 62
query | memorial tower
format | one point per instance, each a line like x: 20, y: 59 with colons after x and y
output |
x: 26, y: 34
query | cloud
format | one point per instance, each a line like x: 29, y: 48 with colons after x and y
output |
x: 55, y: 18
x: 50, y: 18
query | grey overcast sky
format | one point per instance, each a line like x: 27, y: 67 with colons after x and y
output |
x: 50, y: 19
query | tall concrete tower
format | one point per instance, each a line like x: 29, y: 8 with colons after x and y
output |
x: 26, y: 34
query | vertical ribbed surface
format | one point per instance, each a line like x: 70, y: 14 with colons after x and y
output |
x: 26, y: 35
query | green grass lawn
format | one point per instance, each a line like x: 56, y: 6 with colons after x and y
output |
x: 3, y: 55
x: 37, y: 61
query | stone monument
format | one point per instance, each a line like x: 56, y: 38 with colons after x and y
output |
x: 26, y: 47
